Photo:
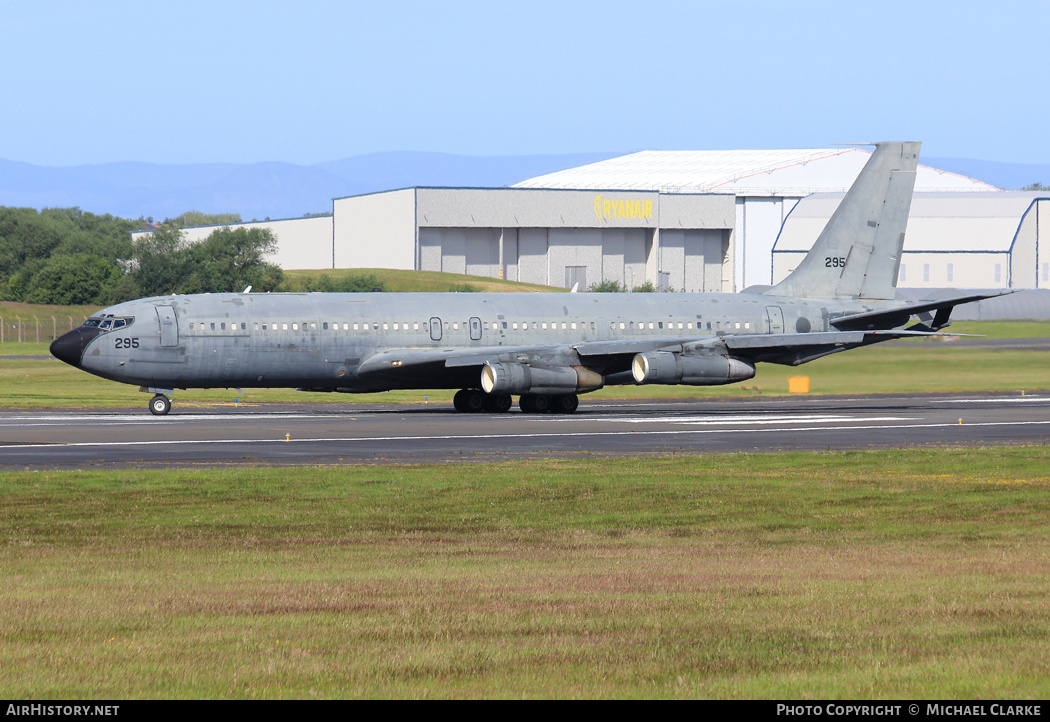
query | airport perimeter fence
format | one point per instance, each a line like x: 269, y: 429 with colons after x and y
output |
x: 36, y: 329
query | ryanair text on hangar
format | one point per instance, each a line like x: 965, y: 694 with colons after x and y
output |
x: 622, y: 208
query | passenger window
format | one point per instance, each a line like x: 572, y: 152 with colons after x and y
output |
x: 455, y: 326
x: 191, y: 325
x: 284, y: 327
x: 395, y: 327
x: 573, y: 325
x: 504, y: 325
x: 355, y: 327
x: 295, y: 327
x: 213, y: 327
x: 562, y: 325
x: 515, y: 325
x: 386, y: 326
x: 375, y: 326
x: 621, y: 325
x: 415, y: 326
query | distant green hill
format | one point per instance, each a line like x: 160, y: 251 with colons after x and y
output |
x: 391, y: 280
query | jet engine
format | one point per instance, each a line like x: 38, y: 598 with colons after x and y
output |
x: 664, y: 367
x: 512, y: 378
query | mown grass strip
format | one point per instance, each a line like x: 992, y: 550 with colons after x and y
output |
x: 855, y: 574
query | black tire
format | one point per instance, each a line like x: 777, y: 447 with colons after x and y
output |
x: 459, y: 401
x: 498, y: 403
x: 474, y: 400
x: 565, y: 404
x: 525, y: 403
x: 159, y: 405
x: 541, y: 404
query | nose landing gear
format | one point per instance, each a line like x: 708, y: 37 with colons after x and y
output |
x: 159, y: 405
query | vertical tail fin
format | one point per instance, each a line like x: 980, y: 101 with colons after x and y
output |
x: 857, y: 255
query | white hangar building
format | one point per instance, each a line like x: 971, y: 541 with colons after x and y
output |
x: 981, y: 240
x: 684, y: 220
x: 765, y: 185
x: 550, y: 237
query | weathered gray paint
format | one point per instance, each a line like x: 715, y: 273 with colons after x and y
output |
x: 569, y: 342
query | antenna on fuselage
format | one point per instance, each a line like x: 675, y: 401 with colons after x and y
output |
x: 247, y: 290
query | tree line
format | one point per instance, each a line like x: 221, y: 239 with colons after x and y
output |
x: 68, y: 256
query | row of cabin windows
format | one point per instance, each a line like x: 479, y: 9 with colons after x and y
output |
x: 496, y: 325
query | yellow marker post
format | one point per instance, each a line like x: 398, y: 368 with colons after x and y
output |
x: 287, y: 437
x: 798, y: 385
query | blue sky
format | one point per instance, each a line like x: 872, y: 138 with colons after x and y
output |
x: 305, y: 82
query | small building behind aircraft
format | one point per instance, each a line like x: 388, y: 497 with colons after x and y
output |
x: 976, y: 240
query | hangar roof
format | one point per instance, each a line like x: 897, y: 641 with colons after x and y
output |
x: 937, y: 222
x: 740, y: 172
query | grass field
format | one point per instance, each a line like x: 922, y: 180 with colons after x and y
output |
x: 417, y: 281
x: 883, y: 574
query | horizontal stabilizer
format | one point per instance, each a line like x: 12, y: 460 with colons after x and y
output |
x: 890, y: 318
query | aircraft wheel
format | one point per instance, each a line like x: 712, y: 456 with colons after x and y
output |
x: 525, y: 403
x: 498, y: 403
x: 159, y: 405
x: 474, y: 401
x: 541, y: 404
x: 459, y: 401
x: 565, y: 404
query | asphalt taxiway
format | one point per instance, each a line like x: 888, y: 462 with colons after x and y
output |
x: 356, y: 433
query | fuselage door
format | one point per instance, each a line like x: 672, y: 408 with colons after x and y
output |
x: 435, y: 329
x: 776, y: 319
x: 475, y: 328
x: 169, y: 327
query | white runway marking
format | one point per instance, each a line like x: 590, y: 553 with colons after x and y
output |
x: 714, y: 420
x: 1014, y: 400
x: 474, y: 437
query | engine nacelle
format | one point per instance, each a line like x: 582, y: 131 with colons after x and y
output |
x: 511, y: 378
x: 664, y: 367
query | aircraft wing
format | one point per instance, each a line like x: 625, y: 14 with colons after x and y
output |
x: 611, y: 359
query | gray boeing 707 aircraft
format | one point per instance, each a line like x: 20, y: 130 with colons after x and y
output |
x: 546, y: 348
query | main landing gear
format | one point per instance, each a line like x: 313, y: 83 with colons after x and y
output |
x: 159, y: 405
x: 473, y: 401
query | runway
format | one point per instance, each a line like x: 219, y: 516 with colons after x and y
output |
x: 354, y: 433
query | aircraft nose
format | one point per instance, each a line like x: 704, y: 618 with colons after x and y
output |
x: 69, y: 347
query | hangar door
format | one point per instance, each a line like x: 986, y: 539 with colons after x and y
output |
x: 693, y: 259
x: 474, y: 251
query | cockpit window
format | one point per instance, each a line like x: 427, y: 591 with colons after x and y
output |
x: 109, y: 323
